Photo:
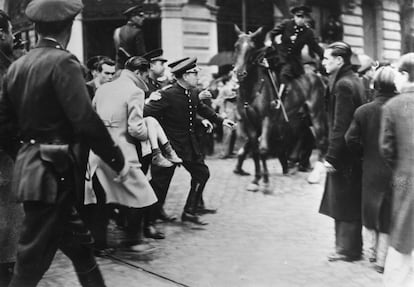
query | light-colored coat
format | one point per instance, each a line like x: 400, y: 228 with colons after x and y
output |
x: 397, y: 147
x: 120, y: 106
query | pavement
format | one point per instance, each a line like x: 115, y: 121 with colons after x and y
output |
x: 255, y: 239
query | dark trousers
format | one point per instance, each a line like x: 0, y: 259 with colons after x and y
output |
x: 46, y: 228
x: 348, y: 238
x: 96, y: 216
x: 161, y: 179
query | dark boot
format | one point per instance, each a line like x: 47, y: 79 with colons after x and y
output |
x: 201, y: 208
x: 190, y: 208
x: 91, y: 278
x: 170, y: 154
x: 159, y: 160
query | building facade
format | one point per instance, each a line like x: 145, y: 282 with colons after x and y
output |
x: 201, y: 28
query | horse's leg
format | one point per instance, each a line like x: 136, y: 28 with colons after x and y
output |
x: 254, y: 185
x: 264, y: 138
x: 241, y: 156
x: 265, y: 174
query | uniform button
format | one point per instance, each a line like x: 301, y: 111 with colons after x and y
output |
x: 32, y: 141
x: 191, y: 106
x: 62, y: 179
x: 191, y: 124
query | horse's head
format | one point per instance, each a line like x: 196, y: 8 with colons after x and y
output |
x: 243, y: 50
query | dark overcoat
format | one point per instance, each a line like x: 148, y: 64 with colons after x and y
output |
x: 397, y: 147
x: 131, y: 40
x: 294, y: 38
x: 45, y: 93
x: 342, y: 196
x: 11, y: 212
x: 363, y: 138
x: 176, y: 111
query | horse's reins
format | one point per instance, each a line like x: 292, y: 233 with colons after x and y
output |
x: 258, y: 60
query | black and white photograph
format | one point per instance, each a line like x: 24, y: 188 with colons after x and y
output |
x: 207, y: 143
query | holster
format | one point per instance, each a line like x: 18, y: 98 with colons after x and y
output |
x: 57, y: 155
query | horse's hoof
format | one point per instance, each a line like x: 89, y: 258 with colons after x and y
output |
x: 266, y: 189
x: 253, y: 187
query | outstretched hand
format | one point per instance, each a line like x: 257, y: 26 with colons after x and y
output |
x: 208, y: 125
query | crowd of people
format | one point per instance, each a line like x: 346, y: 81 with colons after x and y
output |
x: 369, y: 163
x: 84, y: 144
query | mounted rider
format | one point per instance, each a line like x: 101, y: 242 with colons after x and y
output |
x: 295, y: 34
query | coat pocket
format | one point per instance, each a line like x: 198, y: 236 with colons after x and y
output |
x: 57, y: 155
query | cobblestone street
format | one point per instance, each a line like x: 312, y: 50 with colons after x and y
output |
x: 254, y: 240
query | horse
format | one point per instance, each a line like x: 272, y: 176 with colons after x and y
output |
x: 261, y: 121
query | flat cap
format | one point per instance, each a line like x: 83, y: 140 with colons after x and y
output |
x: 185, y: 66
x: 154, y: 55
x: 53, y: 10
x: 301, y: 10
x: 134, y: 10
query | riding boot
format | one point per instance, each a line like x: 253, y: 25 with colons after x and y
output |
x: 190, y: 208
x: 92, y: 278
x: 170, y: 154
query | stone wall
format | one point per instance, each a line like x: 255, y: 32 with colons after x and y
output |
x: 388, y: 34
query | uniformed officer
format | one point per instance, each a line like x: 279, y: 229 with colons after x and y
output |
x: 46, y: 97
x: 156, y: 69
x: 176, y: 111
x: 129, y: 39
x: 295, y: 34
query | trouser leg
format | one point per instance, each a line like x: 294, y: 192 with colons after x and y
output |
x: 46, y: 228
x: 199, y: 176
x: 348, y: 238
x: 160, y: 182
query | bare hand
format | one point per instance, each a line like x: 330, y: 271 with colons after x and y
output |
x: 329, y: 167
x: 154, y: 96
x: 205, y: 95
x: 208, y: 125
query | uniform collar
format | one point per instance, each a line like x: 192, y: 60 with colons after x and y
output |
x: 49, y: 42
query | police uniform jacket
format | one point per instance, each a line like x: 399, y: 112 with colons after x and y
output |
x: 294, y: 38
x: 342, y: 195
x: 131, y: 39
x: 45, y: 93
x: 176, y: 112
x: 396, y: 146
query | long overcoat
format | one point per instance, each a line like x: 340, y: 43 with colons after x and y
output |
x: 11, y: 212
x: 176, y: 111
x: 120, y: 105
x: 342, y: 196
x: 363, y: 138
x: 397, y: 147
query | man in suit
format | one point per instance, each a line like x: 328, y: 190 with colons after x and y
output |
x: 45, y: 97
x: 129, y: 39
x: 295, y: 34
x: 105, y: 70
x: 180, y: 129
x: 342, y: 195
x: 397, y: 147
